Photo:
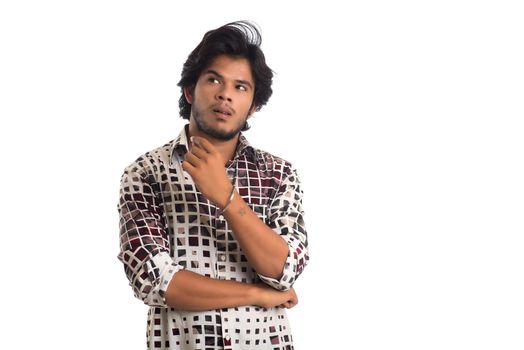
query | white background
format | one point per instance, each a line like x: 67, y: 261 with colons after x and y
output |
x: 404, y: 119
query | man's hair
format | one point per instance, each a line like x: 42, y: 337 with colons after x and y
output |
x: 239, y: 39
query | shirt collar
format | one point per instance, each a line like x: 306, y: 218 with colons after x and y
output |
x: 181, y: 143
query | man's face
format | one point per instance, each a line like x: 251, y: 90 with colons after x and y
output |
x: 221, y: 100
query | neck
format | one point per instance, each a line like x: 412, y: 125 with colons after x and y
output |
x: 225, y: 148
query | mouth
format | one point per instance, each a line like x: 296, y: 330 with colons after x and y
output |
x: 222, y: 112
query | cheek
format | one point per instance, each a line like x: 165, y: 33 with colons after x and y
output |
x: 202, y: 92
x: 247, y: 101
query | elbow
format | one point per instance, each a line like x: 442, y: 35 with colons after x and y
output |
x: 294, y: 265
x: 301, y: 259
x: 149, y: 296
x: 150, y: 280
x: 146, y: 289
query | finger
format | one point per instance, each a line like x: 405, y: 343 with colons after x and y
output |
x: 187, y: 166
x: 204, y: 144
x: 294, y: 298
x: 288, y: 304
x: 192, y: 159
x: 199, y: 152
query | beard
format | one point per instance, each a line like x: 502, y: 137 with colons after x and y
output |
x: 208, y: 129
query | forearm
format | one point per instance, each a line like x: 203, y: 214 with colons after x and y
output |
x: 190, y: 291
x: 265, y: 250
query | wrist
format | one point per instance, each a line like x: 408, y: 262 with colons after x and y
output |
x: 224, y: 204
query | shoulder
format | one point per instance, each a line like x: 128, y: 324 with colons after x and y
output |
x: 274, y: 166
x: 153, y: 162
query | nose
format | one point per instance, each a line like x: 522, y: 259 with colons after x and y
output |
x: 224, y: 94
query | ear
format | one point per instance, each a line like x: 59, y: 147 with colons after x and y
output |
x: 188, y: 94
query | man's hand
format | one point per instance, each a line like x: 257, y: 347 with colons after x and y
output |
x: 267, y: 297
x: 206, y: 166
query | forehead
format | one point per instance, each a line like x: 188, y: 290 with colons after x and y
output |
x: 231, y: 68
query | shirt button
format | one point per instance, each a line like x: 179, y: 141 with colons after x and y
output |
x: 221, y: 217
x: 227, y: 337
x: 222, y: 257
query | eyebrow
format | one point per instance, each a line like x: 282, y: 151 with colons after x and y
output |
x: 245, y: 82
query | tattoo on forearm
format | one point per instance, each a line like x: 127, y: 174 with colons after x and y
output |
x: 242, y: 211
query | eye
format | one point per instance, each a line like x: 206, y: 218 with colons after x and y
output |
x: 213, y: 80
x: 242, y: 87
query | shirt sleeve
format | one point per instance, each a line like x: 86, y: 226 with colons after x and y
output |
x: 286, y: 217
x: 144, y: 244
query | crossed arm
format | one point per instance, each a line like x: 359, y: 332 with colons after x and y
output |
x: 193, y: 292
x: 277, y: 252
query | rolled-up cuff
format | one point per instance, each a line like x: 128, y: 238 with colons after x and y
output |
x: 289, y: 272
x: 160, y: 270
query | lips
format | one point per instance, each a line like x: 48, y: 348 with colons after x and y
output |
x: 224, y: 110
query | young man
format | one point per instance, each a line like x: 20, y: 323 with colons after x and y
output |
x: 212, y: 232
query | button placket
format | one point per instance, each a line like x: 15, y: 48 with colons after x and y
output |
x: 232, y: 171
x: 227, y: 341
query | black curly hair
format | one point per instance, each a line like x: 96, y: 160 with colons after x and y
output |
x: 239, y: 39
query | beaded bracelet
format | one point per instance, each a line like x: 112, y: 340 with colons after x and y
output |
x: 229, y: 201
